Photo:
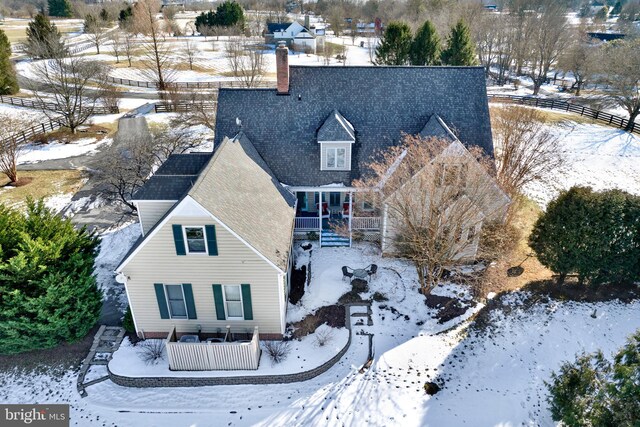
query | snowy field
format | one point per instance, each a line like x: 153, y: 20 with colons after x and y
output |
x: 34, y: 153
x: 596, y: 156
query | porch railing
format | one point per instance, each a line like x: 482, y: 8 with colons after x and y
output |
x: 207, y: 356
x: 365, y: 223
x: 307, y: 223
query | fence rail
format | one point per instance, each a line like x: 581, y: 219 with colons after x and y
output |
x: 307, y: 223
x: 365, y: 223
x: 25, y: 135
x: 190, y: 85
x: 171, y: 107
x: 206, y: 356
x: 583, y: 110
x: 50, y: 106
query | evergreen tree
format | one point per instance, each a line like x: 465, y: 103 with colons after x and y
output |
x: 125, y: 16
x: 602, y: 14
x: 617, y: 8
x: 48, y: 293
x: 43, y: 38
x: 425, y: 48
x: 60, y: 8
x: 395, y: 45
x: 227, y: 14
x: 595, y: 235
x: 8, y: 79
x: 459, y: 50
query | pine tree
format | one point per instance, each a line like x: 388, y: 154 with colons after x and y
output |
x: 395, y: 45
x: 425, y: 48
x: 8, y: 80
x: 617, y: 8
x: 43, y: 38
x: 459, y: 50
x: 60, y: 8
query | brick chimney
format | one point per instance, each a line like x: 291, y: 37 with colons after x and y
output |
x: 282, y: 69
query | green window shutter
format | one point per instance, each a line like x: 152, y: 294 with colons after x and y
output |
x: 162, y: 301
x: 246, y: 302
x: 188, y: 300
x: 219, y: 302
x: 178, y: 238
x: 212, y: 243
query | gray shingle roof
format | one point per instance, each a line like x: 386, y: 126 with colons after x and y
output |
x: 174, y: 177
x: 380, y: 102
x: 336, y: 128
x: 435, y: 127
x: 240, y: 190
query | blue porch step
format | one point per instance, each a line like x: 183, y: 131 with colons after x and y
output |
x: 331, y: 239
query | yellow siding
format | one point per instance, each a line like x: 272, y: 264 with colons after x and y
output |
x: 236, y: 264
x: 151, y: 212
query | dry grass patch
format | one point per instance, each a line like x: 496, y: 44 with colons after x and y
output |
x: 525, y: 213
x: 63, y: 135
x: 40, y: 184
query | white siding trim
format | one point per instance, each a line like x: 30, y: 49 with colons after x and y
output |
x: 189, y: 199
x: 133, y: 316
x: 135, y: 202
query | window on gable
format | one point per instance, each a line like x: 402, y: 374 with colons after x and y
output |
x: 336, y: 158
x: 195, y: 238
x: 175, y: 300
x: 233, y: 301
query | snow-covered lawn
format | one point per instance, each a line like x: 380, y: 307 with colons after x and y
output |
x: 33, y: 153
x: 596, y: 156
x: 304, y: 355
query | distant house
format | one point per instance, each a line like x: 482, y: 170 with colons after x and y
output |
x: 218, y: 228
x: 299, y: 37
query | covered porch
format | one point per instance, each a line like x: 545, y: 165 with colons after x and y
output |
x: 335, y: 215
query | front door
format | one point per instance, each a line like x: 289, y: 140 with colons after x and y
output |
x: 302, y: 201
x: 334, y: 200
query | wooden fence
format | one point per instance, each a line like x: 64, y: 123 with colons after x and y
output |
x: 556, y: 104
x: 50, y: 106
x: 171, y: 107
x: 190, y: 85
x: 207, y: 356
x: 28, y: 134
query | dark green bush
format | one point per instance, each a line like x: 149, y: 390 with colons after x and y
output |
x: 592, y: 391
x: 127, y: 321
x: 48, y: 293
x: 595, y: 235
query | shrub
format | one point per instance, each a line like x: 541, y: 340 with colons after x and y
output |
x: 323, y: 336
x: 379, y: 297
x: 312, y: 235
x: 593, y: 391
x: 595, y: 235
x: 277, y: 350
x: 127, y: 321
x: 151, y: 351
x: 48, y: 293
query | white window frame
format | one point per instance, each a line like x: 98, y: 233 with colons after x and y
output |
x: 184, y: 301
x: 226, y: 308
x: 186, y: 242
x: 367, y: 209
x: 335, y: 150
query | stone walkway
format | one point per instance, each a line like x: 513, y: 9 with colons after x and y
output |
x: 105, y: 343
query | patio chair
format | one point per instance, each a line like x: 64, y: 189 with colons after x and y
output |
x: 345, y: 210
x: 346, y: 273
x: 325, y: 209
x: 372, y: 270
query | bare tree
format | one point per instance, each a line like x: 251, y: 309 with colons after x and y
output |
x: 189, y: 52
x: 201, y: 111
x: 172, y: 140
x: 434, y: 195
x: 371, y: 44
x: 579, y: 58
x: 327, y: 53
x: 548, y: 35
x: 10, y: 146
x: 96, y: 29
x: 128, y: 46
x: 117, y: 44
x: 525, y: 148
x: 506, y: 39
x: 76, y: 86
x: 621, y: 71
x: 234, y: 50
x: 251, y: 66
x: 157, y: 55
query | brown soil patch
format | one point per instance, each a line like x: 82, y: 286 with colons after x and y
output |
x: 332, y: 315
x: 21, y: 182
x: 66, y: 355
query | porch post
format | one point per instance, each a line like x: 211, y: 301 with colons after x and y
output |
x: 320, y: 216
x: 350, y: 217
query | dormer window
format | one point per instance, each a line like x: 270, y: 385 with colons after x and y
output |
x: 336, y: 158
x: 335, y: 137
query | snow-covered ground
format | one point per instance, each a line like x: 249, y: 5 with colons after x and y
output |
x: 33, y: 153
x: 596, y: 156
